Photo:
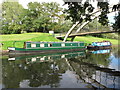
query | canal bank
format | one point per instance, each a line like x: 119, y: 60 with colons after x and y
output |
x: 8, y: 40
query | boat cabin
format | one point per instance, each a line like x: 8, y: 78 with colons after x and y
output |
x: 47, y: 47
x: 29, y: 45
x: 103, y: 43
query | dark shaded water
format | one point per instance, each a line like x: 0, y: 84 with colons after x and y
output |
x: 84, y: 69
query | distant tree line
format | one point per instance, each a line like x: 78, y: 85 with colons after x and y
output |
x: 44, y: 17
x: 39, y: 17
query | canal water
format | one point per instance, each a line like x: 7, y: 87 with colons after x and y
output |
x: 83, y: 69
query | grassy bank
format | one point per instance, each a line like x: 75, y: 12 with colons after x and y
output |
x: 90, y: 39
x: 8, y: 40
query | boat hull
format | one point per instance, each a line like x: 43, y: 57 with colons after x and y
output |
x: 38, y: 51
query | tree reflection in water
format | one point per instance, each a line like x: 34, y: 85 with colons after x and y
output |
x: 91, y: 69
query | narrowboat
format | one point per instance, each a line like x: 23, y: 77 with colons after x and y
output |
x: 100, y: 45
x: 47, y: 47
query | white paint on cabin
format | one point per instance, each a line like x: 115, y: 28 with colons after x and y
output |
x: 11, y: 48
x: 33, y: 45
x: 41, y: 45
x: 63, y: 45
x: 48, y: 45
x: 104, y: 43
x: 108, y: 43
x: 101, y: 43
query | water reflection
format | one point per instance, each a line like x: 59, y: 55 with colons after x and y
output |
x: 105, y: 51
x: 48, y: 57
x: 62, y: 70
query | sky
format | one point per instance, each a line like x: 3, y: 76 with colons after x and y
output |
x: 61, y: 2
x: 25, y: 2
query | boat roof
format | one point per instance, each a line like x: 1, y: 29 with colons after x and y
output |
x: 101, y: 42
x: 52, y: 42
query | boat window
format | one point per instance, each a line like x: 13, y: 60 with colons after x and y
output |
x: 108, y: 43
x: 41, y: 45
x: 63, y: 45
x: 105, y: 43
x: 33, y: 45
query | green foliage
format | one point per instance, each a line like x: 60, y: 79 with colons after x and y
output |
x: 8, y: 40
x: 76, y: 11
x: 44, y: 17
x: 39, y: 17
x: 90, y: 39
x: 103, y: 19
x: 38, y: 73
x: 79, y: 12
x: 116, y: 25
x: 110, y: 36
x: 94, y: 25
x: 11, y: 12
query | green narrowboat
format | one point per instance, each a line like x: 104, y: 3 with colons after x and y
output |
x: 44, y: 47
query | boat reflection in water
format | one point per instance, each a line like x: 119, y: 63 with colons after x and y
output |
x: 61, y: 70
x: 49, y: 57
x: 103, y: 51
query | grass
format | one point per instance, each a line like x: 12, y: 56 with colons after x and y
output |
x: 8, y: 40
x: 90, y: 39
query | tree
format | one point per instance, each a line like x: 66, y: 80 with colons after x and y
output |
x: 53, y: 11
x: 11, y: 12
x: 79, y: 12
x: 116, y: 25
x: 84, y: 12
x: 41, y: 17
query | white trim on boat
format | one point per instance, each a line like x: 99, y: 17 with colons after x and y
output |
x: 11, y: 48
